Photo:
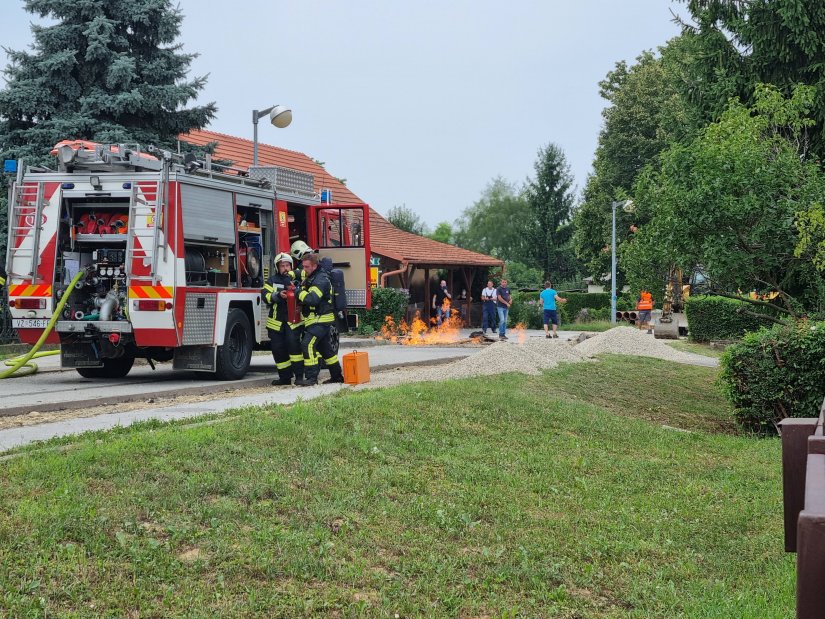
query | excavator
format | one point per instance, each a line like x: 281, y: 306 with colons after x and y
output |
x: 672, y: 322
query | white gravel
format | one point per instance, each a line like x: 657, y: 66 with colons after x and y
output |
x: 630, y: 341
x: 537, y: 354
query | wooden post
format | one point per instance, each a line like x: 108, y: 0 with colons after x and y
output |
x: 469, y: 275
x: 427, y: 296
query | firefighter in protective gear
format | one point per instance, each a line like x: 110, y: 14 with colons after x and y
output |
x: 319, y: 317
x: 300, y: 250
x: 3, y: 277
x: 286, y: 348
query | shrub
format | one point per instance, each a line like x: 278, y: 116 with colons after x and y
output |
x: 577, y: 301
x: 385, y: 302
x: 719, y: 318
x: 776, y: 373
x: 526, y: 309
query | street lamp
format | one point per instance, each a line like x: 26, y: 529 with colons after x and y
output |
x: 627, y: 207
x: 279, y: 115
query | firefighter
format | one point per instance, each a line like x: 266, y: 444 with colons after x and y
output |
x: 3, y: 277
x: 319, y: 317
x: 286, y: 348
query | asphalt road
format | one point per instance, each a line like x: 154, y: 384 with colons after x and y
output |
x: 53, y: 389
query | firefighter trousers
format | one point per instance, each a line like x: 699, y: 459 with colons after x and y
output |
x: 286, y: 350
x: 317, y: 348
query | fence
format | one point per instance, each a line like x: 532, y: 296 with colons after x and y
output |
x: 803, y: 488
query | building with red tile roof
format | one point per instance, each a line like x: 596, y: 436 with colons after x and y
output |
x: 405, y: 259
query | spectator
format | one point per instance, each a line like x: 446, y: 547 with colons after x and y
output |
x: 549, y: 298
x: 488, y: 308
x: 442, y: 299
x: 503, y: 302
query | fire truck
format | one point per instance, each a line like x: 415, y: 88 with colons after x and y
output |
x: 172, y: 252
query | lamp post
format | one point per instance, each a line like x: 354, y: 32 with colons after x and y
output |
x: 627, y: 207
x: 279, y: 115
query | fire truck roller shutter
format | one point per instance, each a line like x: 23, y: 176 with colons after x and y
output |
x: 208, y: 214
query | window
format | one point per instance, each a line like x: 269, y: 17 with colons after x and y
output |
x: 341, y: 227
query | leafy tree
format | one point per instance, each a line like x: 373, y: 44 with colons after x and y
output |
x: 728, y: 201
x: 443, y: 233
x: 520, y: 275
x: 495, y: 224
x: 404, y: 218
x: 548, y: 230
x: 740, y: 44
x: 646, y: 113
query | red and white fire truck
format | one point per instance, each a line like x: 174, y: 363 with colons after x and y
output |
x: 174, y: 251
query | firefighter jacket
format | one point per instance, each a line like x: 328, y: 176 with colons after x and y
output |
x: 271, y: 293
x: 316, y: 299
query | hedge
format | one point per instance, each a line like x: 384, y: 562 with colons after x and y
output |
x: 526, y: 309
x: 776, y: 373
x: 719, y: 318
x: 385, y: 302
x: 577, y: 301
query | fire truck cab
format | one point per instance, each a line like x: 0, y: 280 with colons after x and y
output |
x: 173, y: 250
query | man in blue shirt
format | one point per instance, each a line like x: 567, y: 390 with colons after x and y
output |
x: 549, y: 298
x: 503, y: 303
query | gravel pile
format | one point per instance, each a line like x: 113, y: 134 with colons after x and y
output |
x: 630, y: 341
x: 530, y: 358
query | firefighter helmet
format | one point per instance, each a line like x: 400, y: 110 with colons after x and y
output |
x: 283, y: 257
x: 300, y: 249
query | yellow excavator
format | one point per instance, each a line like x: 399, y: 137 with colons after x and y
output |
x: 672, y: 320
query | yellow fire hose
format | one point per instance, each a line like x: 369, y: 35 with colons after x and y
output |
x: 25, y: 362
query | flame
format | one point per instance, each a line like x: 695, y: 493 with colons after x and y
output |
x: 520, y: 330
x: 418, y: 333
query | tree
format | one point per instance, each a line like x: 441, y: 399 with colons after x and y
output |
x: 740, y: 44
x: 548, y: 230
x: 443, y: 233
x: 728, y: 201
x: 105, y: 71
x: 494, y: 224
x: 404, y: 218
x: 646, y: 113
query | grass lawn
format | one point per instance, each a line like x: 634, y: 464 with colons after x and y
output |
x: 696, y: 347
x: 511, y: 496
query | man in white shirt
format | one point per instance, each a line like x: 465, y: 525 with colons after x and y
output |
x: 488, y: 308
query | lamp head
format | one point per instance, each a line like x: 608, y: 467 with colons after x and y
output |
x: 628, y: 206
x: 280, y: 116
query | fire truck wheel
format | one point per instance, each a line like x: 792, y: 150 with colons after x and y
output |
x: 236, y: 353
x: 112, y: 368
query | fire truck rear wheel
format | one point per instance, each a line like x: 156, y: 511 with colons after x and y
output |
x: 112, y: 368
x: 236, y: 353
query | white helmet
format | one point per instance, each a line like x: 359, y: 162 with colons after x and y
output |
x: 300, y: 249
x: 283, y: 257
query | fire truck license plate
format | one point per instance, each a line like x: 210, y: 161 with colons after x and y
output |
x: 29, y: 323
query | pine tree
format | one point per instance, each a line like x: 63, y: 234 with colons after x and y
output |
x: 549, y: 231
x: 107, y: 70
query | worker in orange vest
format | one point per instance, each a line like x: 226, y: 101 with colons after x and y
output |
x: 645, y: 307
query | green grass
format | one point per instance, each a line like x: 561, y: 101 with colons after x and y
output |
x: 552, y: 496
x: 696, y: 347
x: 596, y: 325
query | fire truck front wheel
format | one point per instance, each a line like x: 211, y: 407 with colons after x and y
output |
x: 112, y: 368
x: 236, y: 353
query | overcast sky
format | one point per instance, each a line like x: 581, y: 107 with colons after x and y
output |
x: 420, y: 102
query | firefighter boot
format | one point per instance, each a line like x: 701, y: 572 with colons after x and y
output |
x: 284, y: 378
x: 335, y: 374
x: 310, y: 376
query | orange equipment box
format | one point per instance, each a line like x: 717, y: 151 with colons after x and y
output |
x: 356, y: 368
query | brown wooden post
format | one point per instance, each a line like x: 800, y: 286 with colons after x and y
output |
x: 469, y: 276
x: 450, y: 287
x: 427, y: 296
x: 795, y: 433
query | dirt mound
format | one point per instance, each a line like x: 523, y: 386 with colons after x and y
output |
x: 630, y: 341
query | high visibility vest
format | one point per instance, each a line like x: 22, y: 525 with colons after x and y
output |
x: 645, y: 302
